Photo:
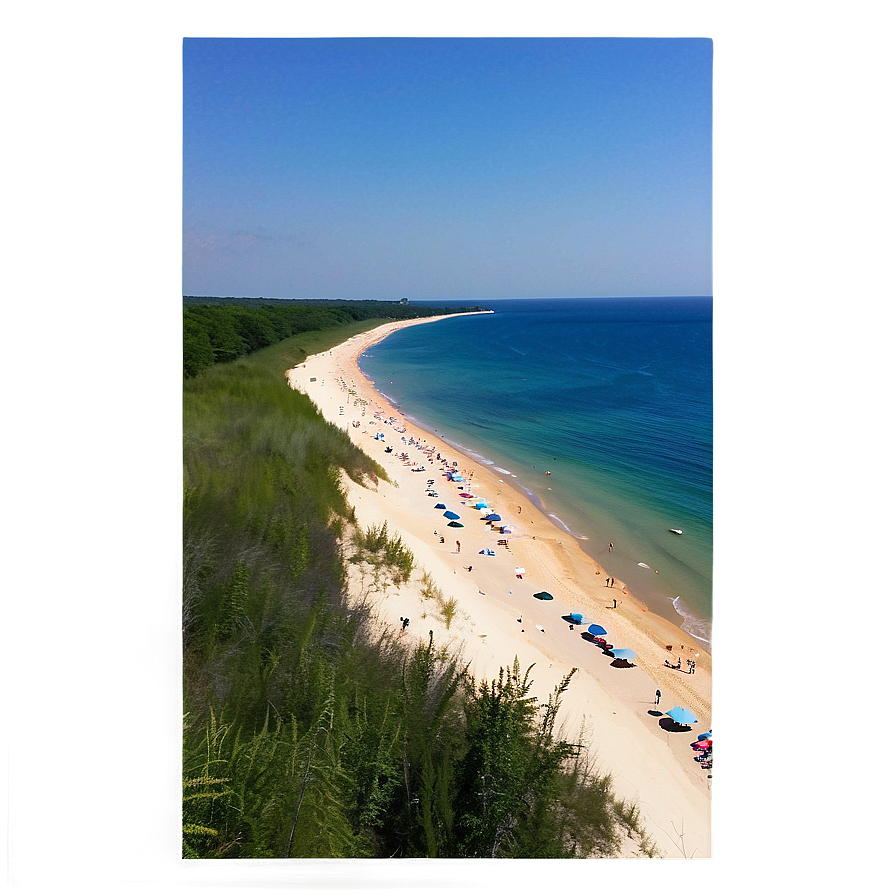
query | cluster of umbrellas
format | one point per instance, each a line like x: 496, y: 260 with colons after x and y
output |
x: 478, y: 505
x: 621, y: 655
x: 703, y: 748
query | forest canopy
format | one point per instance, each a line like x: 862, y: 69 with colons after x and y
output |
x: 217, y: 330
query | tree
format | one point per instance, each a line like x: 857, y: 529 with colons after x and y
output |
x: 198, y: 351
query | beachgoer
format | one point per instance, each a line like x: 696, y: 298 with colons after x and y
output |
x: 608, y: 583
x: 611, y: 545
x: 458, y: 547
x: 614, y: 603
x: 658, y: 695
x: 612, y: 582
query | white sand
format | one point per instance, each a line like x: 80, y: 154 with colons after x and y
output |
x: 649, y: 765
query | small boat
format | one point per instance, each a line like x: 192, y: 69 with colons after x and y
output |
x: 676, y: 531
x: 644, y: 565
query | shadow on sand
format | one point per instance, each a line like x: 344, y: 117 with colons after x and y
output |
x: 668, y: 724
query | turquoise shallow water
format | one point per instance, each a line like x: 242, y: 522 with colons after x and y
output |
x: 613, y: 396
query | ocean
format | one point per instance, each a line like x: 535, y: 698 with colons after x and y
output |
x: 613, y: 396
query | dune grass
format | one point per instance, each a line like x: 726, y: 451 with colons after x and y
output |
x: 308, y: 731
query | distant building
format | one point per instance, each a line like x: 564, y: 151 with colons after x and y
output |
x: 403, y: 302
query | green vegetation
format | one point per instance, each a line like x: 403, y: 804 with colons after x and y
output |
x: 375, y: 546
x: 220, y: 330
x: 431, y: 591
x: 309, y: 732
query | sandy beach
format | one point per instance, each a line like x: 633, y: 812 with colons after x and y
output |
x: 497, y: 618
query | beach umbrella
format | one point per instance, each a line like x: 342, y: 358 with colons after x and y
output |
x: 707, y: 735
x: 543, y: 595
x: 701, y: 744
x: 493, y: 517
x: 454, y: 524
x: 681, y: 715
x: 480, y: 504
x: 465, y: 495
x: 596, y: 630
x: 520, y: 571
x: 577, y: 618
x: 623, y: 653
x: 440, y: 506
x: 451, y: 515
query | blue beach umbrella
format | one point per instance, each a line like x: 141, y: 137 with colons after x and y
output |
x: 623, y: 653
x: 440, y: 506
x: 681, y: 715
x: 576, y: 618
x: 596, y: 630
x: 493, y: 517
x: 451, y: 515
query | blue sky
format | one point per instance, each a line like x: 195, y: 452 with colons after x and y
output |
x: 441, y: 168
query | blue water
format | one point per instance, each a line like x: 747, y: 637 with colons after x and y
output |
x: 613, y: 396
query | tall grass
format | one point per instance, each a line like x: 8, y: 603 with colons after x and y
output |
x: 309, y: 732
x: 376, y: 544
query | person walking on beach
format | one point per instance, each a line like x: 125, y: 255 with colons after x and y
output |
x: 458, y: 547
x: 658, y: 695
x: 608, y: 583
x: 611, y: 546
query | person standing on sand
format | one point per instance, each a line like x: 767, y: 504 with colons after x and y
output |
x: 658, y: 695
x: 608, y: 583
x: 458, y: 547
x: 611, y: 546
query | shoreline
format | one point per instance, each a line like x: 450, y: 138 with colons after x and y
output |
x: 602, y: 519
x: 497, y: 617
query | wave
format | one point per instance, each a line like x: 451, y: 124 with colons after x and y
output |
x: 696, y: 627
x: 561, y: 525
x: 532, y: 497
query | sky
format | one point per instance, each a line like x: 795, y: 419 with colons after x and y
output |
x: 441, y: 168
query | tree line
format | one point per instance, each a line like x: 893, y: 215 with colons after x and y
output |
x: 218, y: 330
x: 310, y: 730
